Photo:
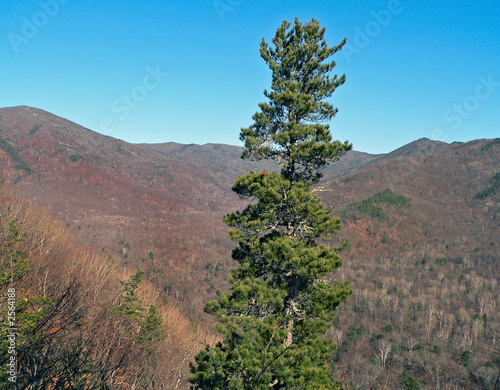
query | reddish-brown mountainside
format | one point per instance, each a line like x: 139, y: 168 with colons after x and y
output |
x: 160, y: 206
x: 147, y: 209
x: 422, y: 222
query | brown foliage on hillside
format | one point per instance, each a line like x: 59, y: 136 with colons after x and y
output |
x: 78, y: 340
x: 429, y: 270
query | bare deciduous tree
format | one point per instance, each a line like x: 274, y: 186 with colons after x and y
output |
x: 383, y: 351
x: 411, y: 342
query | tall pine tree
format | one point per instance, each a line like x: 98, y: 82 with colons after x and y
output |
x: 281, y: 301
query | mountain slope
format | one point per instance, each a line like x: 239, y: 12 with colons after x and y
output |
x: 423, y: 262
x: 160, y: 198
x: 145, y: 208
x: 416, y: 148
x: 423, y: 224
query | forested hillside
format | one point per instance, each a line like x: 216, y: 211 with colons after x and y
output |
x: 424, y: 267
x: 423, y: 255
x: 72, y: 318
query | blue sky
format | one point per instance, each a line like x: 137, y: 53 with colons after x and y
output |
x: 190, y: 71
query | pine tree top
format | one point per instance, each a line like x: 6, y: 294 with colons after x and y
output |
x: 288, y: 128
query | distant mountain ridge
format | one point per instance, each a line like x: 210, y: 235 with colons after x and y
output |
x: 160, y: 206
x: 223, y: 158
x: 217, y: 156
x: 227, y: 158
x: 416, y: 148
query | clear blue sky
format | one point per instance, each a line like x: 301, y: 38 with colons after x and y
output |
x: 190, y: 71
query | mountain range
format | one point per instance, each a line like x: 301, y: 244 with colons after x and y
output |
x: 160, y: 206
x: 422, y: 225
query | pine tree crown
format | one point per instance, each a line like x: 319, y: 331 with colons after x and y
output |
x: 288, y: 128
